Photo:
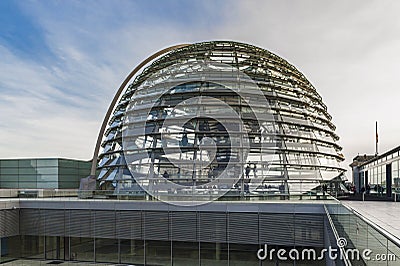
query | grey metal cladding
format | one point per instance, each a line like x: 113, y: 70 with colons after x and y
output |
x: 9, y: 223
x: 285, y: 229
x: 31, y: 222
x: 243, y: 228
x: 212, y: 227
x: 104, y: 224
x: 184, y: 226
x: 156, y: 225
x: 129, y: 225
x: 79, y: 223
x: 54, y: 224
x: 291, y: 229
x: 276, y: 229
x: 309, y: 230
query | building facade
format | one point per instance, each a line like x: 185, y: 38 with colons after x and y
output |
x: 156, y: 233
x: 380, y: 172
x: 53, y: 173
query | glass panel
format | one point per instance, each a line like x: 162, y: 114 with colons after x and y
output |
x: 85, y: 165
x: 185, y: 253
x: 9, y: 184
x: 393, y: 254
x: 68, y: 171
x: 68, y: 178
x: 27, y: 178
x: 54, y: 247
x: 378, y: 244
x: 46, y: 178
x: 27, y: 163
x: 47, y: 170
x: 84, y: 172
x: 81, y: 249
x: 47, y: 162
x: 9, y: 177
x: 214, y: 254
x: 47, y: 185
x: 68, y: 163
x: 243, y: 254
x: 132, y: 251
x: 158, y: 252
x: 9, y: 171
x: 28, y: 171
x: 107, y: 250
x: 32, y: 247
x: 10, y: 249
x: 9, y: 163
x: 27, y: 184
x: 68, y: 185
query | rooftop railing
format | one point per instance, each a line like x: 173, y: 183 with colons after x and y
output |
x: 374, y: 245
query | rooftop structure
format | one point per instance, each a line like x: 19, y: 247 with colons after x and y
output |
x: 42, y: 173
x: 223, y: 115
x: 380, y: 173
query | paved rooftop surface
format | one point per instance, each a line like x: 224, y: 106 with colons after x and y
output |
x: 384, y: 214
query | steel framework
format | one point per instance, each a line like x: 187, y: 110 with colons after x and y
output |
x: 302, y: 148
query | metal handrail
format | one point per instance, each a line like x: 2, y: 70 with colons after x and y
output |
x: 336, y: 234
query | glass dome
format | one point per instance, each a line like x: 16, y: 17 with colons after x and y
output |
x: 219, y: 116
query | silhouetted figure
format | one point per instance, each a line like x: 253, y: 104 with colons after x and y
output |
x: 246, y: 188
x: 184, y: 140
x: 247, y: 171
x: 324, y: 189
x: 166, y: 175
x: 281, y: 189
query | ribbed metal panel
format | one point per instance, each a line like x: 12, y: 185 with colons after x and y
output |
x: 9, y: 223
x: 309, y: 230
x: 276, y: 229
x: 54, y: 222
x: 79, y: 223
x: 212, y: 227
x: 104, y: 224
x: 183, y: 226
x: 129, y: 225
x: 31, y: 222
x: 243, y: 228
x: 284, y: 229
x: 3, y: 224
x: 292, y: 229
x: 156, y: 225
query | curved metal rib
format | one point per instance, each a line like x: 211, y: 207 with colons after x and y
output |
x: 117, y: 96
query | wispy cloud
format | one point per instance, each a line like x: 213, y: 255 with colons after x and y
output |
x: 54, y: 107
x: 53, y: 101
x: 348, y: 50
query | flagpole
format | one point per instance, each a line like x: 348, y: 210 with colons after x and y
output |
x: 376, y: 138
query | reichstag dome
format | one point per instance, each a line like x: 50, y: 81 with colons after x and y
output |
x: 217, y: 116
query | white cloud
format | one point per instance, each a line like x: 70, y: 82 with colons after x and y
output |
x: 348, y: 50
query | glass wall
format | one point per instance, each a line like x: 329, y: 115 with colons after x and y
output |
x: 138, y: 252
x: 377, y: 174
x: 42, y: 173
x: 362, y: 235
x: 395, y: 175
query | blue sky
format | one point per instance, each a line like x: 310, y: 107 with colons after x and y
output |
x: 62, y: 61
